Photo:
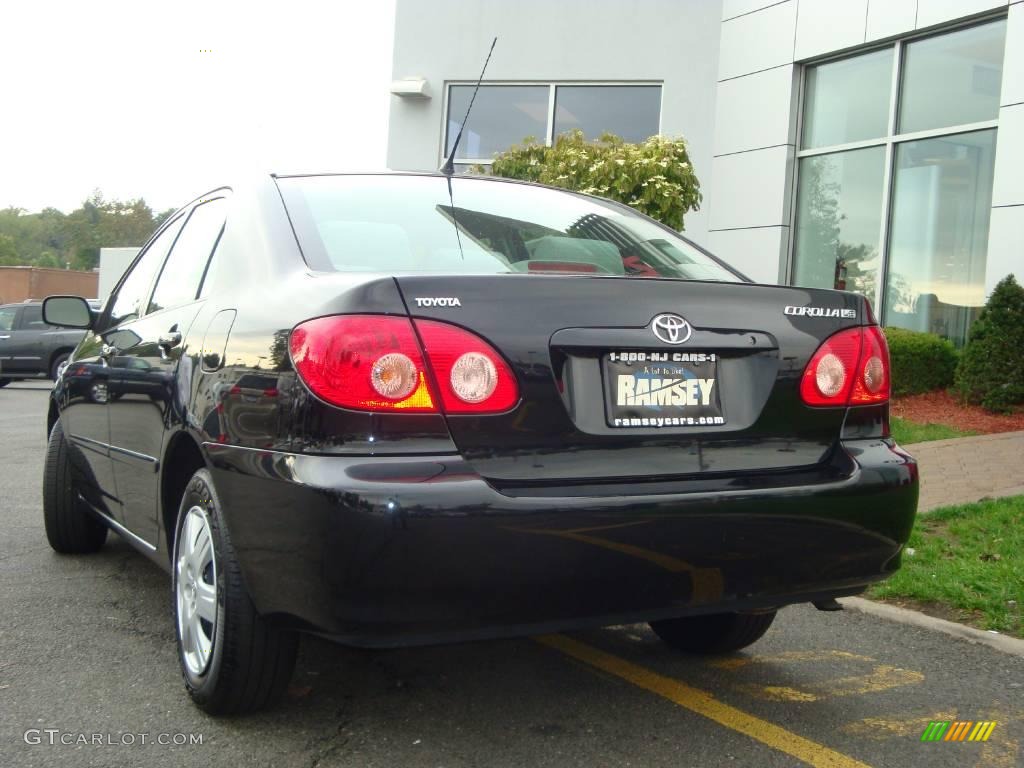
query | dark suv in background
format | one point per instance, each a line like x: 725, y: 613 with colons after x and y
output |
x: 29, y: 348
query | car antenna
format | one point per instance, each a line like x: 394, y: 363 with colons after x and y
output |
x: 449, y: 164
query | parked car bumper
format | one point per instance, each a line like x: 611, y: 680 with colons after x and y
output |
x: 383, y: 551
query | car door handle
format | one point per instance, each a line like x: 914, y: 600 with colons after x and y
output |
x: 5, y: 337
x: 167, y: 341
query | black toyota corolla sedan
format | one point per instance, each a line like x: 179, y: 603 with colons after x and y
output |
x: 401, y: 409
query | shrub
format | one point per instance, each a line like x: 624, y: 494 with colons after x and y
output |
x: 655, y: 176
x: 991, y: 370
x: 921, y: 362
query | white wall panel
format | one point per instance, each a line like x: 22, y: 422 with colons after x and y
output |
x: 931, y: 12
x: 1013, y: 61
x: 750, y: 189
x: 1005, y: 246
x: 890, y: 17
x: 755, y: 252
x: 1008, y: 184
x: 757, y: 41
x: 755, y: 111
x: 823, y: 26
x: 733, y: 8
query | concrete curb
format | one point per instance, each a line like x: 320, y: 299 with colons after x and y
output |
x: 1002, y: 493
x: 1000, y: 642
x: 961, y: 441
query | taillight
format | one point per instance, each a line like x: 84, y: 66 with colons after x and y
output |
x: 375, y: 363
x: 872, y: 382
x: 850, y: 368
x: 472, y: 376
x: 366, y: 362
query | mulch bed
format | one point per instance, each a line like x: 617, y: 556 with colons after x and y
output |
x: 943, y: 408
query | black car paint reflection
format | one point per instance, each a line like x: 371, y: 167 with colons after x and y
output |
x: 106, y: 381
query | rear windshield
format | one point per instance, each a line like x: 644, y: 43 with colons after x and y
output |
x: 410, y: 224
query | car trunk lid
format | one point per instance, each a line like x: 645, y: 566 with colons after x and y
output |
x: 591, y: 368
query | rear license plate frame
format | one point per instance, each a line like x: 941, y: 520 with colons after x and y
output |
x: 670, y: 405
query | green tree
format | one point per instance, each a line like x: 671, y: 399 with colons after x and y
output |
x: 991, y: 369
x: 51, y: 238
x: 654, y: 176
x: 8, y: 251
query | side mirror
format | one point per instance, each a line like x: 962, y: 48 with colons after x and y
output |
x: 67, y: 311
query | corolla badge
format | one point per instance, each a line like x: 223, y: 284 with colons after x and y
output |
x: 820, y: 312
x: 672, y: 329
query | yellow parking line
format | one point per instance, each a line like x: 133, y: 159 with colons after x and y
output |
x: 776, y: 692
x: 731, y: 663
x: 881, y: 678
x: 704, y: 704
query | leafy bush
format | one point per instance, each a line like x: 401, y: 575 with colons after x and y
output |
x: 655, y: 176
x: 921, y: 362
x: 991, y: 370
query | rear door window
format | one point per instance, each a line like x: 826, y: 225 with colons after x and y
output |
x: 181, y: 279
x: 130, y: 301
x: 32, y: 318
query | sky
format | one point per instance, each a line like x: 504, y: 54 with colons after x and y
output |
x: 166, y: 100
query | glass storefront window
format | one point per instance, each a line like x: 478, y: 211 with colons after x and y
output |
x: 838, y: 220
x: 629, y: 111
x: 848, y: 100
x: 503, y: 115
x: 952, y: 79
x: 908, y: 208
x: 942, y: 198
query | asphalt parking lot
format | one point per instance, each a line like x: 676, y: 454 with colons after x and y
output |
x: 86, y: 647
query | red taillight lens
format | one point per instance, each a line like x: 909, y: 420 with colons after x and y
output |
x: 366, y: 362
x: 872, y: 382
x: 472, y: 376
x: 375, y: 363
x: 850, y: 368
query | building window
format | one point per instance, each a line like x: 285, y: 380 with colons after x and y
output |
x: 894, y: 183
x: 504, y: 115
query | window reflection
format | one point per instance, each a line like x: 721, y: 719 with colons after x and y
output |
x: 503, y: 115
x: 629, y: 111
x: 952, y: 79
x: 942, y: 200
x: 839, y: 220
x: 932, y: 262
x: 848, y: 100
x: 409, y: 224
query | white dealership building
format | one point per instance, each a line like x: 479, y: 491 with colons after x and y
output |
x: 876, y: 145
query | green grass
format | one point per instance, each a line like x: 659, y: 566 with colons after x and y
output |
x: 968, y: 565
x: 905, y: 432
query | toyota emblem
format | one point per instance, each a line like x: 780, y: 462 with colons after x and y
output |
x: 672, y: 329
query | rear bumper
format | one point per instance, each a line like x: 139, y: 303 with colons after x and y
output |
x: 405, y: 550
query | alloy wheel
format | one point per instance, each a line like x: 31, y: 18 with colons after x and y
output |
x: 196, y: 591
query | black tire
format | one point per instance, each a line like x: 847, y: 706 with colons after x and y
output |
x: 71, y: 528
x: 250, y: 661
x: 714, y: 633
x: 4, y: 382
x: 56, y: 364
